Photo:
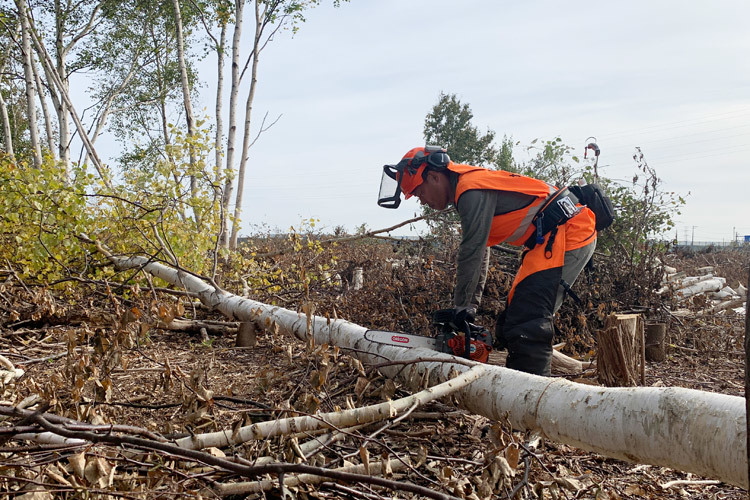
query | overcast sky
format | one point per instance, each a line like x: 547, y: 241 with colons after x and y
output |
x: 355, y: 83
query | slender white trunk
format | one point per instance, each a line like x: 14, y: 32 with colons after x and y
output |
x: 7, y: 131
x: 232, y: 132
x: 47, y: 61
x: 29, y: 80
x: 189, y: 118
x: 7, y: 134
x: 63, y: 111
x: 219, y: 137
x: 693, y: 431
x: 246, y: 133
x: 45, y: 112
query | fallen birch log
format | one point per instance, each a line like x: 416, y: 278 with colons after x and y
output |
x: 710, y: 285
x: 692, y: 280
x: 688, y: 430
x: 728, y: 304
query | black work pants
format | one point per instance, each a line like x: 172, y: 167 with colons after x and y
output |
x: 526, y: 327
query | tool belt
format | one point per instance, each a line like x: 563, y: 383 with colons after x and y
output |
x: 558, y: 208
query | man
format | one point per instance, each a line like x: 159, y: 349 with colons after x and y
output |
x: 495, y: 206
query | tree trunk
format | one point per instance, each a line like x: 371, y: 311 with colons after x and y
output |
x: 187, y: 103
x: 45, y: 112
x: 28, y: 72
x: 232, y: 133
x: 693, y: 431
x: 246, y: 133
x: 619, y: 350
x: 219, y: 137
x: 655, y: 335
x: 63, y: 112
x: 7, y: 131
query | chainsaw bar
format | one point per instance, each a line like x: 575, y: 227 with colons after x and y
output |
x: 400, y: 339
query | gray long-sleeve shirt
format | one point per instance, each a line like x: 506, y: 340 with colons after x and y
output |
x: 476, y: 208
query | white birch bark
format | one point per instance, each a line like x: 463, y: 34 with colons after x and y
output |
x: 331, y: 420
x: 234, y: 92
x: 247, y: 487
x: 45, y: 112
x: 693, y: 431
x: 7, y: 132
x: 219, y: 137
x: 709, y: 285
x: 29, y: 80
x: 259, y: 20
x: 189, y: 118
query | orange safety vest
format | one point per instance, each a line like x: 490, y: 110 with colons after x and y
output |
x: 512, y: 227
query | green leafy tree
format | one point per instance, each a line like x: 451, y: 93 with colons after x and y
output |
x: 553, y: 162
x: 449, y: 124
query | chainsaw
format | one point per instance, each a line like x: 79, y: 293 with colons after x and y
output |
x: 448, y: 339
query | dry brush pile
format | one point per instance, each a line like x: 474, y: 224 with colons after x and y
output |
x: 116, y: 377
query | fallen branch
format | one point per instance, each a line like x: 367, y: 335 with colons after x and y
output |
x: 684, y: 482
x: 206, y: 458
x: 366, y: 414
x: 375, y: 468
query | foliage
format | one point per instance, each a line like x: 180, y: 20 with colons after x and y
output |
x: 303, y: 266
x: 40, y: 216
x: 553, y: 162
x: 157, y: 213
x: 449, y: 125
x: 150, y: 212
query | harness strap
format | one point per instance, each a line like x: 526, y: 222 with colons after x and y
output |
x: 557, y: 209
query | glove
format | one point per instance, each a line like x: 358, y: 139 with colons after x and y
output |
x: 461, y: 318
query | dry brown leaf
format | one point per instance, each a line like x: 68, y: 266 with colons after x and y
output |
x: 364, y: 455
x: 388, y: 390
x: 78, y: 462
x: 511, y: 455
x: 360, y: 386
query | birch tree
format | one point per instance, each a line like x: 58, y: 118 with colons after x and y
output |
x: 4, y: 116
x: 187, y: 102
x: 28, y: 72
x: 271, y: 16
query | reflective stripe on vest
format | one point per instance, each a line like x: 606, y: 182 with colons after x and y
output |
x: 512, y: 227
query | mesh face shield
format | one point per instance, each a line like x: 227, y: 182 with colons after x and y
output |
x: 390, y: 188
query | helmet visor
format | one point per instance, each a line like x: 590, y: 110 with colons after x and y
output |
x: 390, y: 188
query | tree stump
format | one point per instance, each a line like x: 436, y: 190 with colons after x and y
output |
x: 620, y: 358
x: 655, y: 335
x: 247, y: 335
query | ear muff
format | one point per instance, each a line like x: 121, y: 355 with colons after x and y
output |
x: 437, y: 158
